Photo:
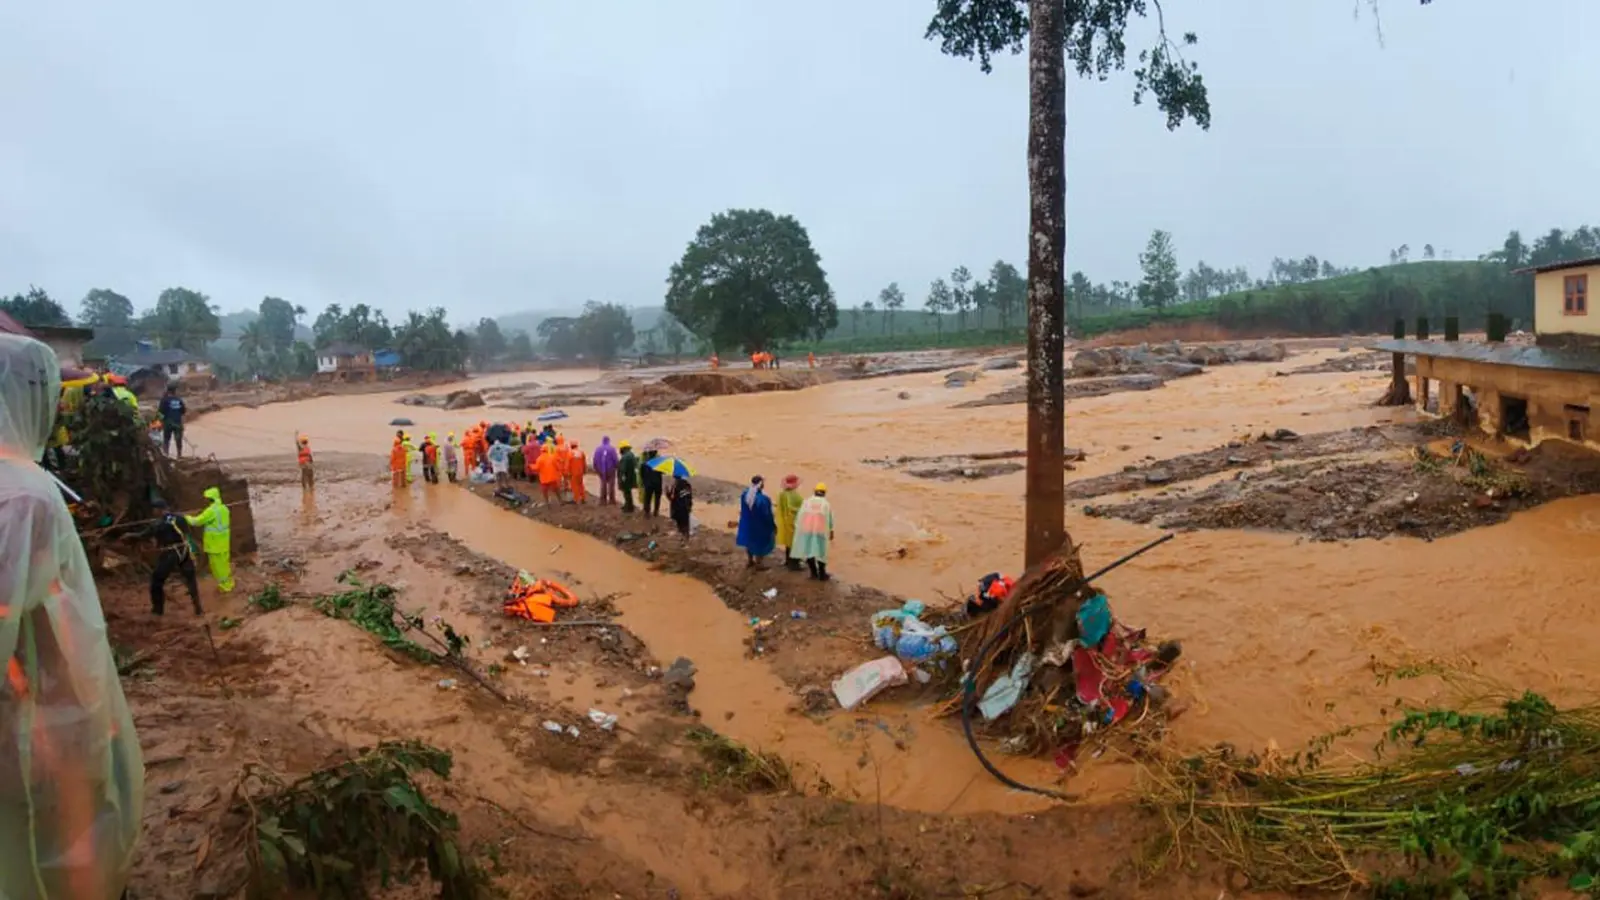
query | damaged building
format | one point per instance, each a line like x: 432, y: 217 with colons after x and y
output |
x: 1523, y: 394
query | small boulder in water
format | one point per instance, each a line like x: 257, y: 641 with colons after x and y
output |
x: 402, y: 423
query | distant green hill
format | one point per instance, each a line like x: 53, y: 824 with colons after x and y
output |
x: 1362, y: 302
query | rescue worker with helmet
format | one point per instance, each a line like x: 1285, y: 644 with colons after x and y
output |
x: 173, y: 555
x: 217, y: 539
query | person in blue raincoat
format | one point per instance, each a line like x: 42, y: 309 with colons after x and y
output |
x: 758, y: 530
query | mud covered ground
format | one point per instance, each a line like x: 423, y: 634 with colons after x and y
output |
x: 636, y: 812
x: 1364, y: 483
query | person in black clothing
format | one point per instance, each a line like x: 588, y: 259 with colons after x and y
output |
x: 175, y: 556
x: 682, y: 504
x: 650, y: 481
x: 172, y: 410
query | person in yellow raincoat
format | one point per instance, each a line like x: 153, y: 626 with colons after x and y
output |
x: 217, y: 539
x: 71, y: 774
x: 411, y: 459
x: 788, y: 508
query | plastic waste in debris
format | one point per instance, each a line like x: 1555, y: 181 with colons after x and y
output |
x: 797, y: 614
x: 605, y: 720
x: 552, y: 727
x: 521, y: 654
x: 1007, y: 689
x: 770, y: 593
x: 572, y: 730
x: 447, y: 684
x: 867, y: 680
x: 1094, y: 620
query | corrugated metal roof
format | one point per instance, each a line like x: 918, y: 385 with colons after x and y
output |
x: 159, y: 358
x: 1558, y: 266
x: 1562, y: 360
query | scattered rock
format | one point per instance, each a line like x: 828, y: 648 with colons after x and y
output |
x: 402, y: 423
x: 960, y: 378
x: 172, y: 787
x: 680, y: 675
x: 1282, y: 435
x: 1207, y: 355
x: 1263, y: 351
x: 1157, y: 476
x: 904, y: 395
x: 1175, y: 369
x: 463, y: 400
x: 1001, y: 363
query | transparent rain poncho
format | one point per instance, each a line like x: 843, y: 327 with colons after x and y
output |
x: 71, y: 775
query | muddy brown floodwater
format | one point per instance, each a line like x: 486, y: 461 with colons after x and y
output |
x: 1279, y: 633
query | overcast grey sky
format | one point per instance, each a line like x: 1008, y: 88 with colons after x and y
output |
x: 504, y: 155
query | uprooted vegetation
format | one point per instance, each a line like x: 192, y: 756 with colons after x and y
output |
x: 365, y: 822
x: 729, y: 763
x: 1491, y: 796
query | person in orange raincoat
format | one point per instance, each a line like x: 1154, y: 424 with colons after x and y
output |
x: 530, y: 456
x: 469, y: 450
x: 550, y: 472
x: 577, y: 466
x: 397, y: 463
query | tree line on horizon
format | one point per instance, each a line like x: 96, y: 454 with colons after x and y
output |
x: 751, y: 280
x: 270, y: 345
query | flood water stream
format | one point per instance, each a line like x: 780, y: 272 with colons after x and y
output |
x: 1279, y: 632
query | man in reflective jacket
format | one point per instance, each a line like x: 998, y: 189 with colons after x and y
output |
x: 216, y: 542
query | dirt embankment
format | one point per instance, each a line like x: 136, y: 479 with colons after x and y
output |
x: 966, y: 466
x: 1373, y: 361
x: 1074, y: 389
x: 683, y: 390
x: 1281, y: 445
x: 252, y: 396
x: 1427, y: 491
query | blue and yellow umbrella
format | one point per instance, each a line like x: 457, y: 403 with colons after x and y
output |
x: 671, y: 465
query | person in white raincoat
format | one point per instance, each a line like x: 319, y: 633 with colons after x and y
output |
x: 71, y: 775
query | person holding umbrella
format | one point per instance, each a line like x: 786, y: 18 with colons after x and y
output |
x: 680, y: 496
x: 650, y: 485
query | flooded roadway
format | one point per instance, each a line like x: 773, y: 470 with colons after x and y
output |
x: 1279, y: 633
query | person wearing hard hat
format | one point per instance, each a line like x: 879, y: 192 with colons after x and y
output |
x: 813, y: 532
x: 217, y: 540
x: 450, y: 461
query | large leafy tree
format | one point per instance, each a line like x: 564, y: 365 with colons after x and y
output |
x: 560, y: 336
x: 1009, y: 290
x: 35, y: 308
x: 278, y: 318
x: 1159, y: 263
x: 111, y: 316
x: 488, y: 343
x: 750, y: 278
x: 360, y: 325
x: 183, y: 319
x: 604, y: 330
x: 520, y: 347
x: 426, y: 343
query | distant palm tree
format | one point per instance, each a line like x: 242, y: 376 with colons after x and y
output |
x: 253, y: 343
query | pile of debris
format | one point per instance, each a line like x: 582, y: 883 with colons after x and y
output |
x: 1172, y: 360
x: 1043, y: 662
